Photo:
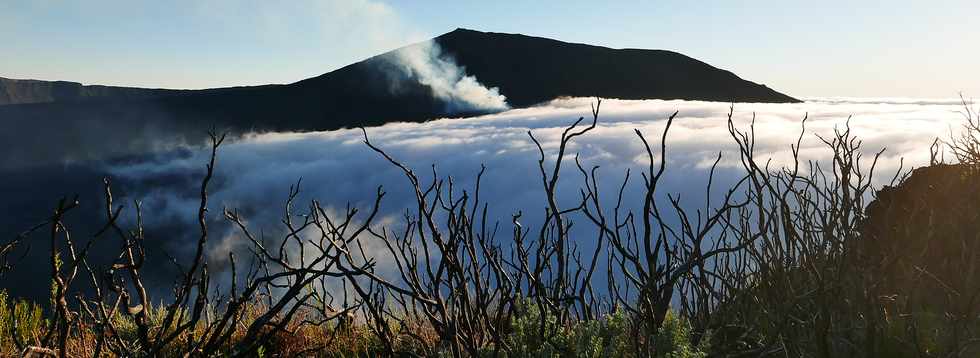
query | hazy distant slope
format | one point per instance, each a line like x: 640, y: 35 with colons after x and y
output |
x: 16, y: 91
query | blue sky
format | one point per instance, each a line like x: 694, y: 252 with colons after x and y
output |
x: 812, y: 48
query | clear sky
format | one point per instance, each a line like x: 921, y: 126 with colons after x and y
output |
x: 899, y: 48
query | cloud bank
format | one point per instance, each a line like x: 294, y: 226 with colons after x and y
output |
x: 255, y: 171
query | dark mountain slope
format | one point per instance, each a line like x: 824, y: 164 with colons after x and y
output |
x: 531, y: 70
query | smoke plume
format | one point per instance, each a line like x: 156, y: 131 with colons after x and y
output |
x: 426, y: 63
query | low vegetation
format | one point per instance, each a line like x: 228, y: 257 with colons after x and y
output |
x: 806, y: 260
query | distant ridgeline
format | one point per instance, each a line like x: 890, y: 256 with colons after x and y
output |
x: 14, y: 91
x: 527, y: 70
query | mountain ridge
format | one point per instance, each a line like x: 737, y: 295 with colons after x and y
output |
x: 607, y: 72
x: 468, y: 47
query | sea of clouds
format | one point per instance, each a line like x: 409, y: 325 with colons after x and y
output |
x: 255, y: 171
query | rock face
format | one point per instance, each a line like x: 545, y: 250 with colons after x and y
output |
x: 921, y: 239
x: 527, y: 70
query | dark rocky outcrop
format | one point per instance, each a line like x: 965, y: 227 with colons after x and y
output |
x: 921, y: 239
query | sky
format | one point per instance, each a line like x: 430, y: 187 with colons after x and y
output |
x: 899, y: 48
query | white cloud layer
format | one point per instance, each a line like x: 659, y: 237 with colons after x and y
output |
x: 254, y: 172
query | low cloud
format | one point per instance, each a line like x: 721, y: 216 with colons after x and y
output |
x: 255, y: 171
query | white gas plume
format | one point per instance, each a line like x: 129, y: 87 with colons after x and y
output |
x: 426, y: 63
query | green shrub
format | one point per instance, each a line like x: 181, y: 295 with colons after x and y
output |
x: 525, y: 338
x: 25, y: 315
x: 673, y: 339
x: 609, y: 336
x: 606, y: 337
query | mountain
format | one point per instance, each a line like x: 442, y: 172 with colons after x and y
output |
x: 93, y: 121
x: 530, y: 70
x: 526, y: 69
x: 27, y: 91
x: 14, y: 91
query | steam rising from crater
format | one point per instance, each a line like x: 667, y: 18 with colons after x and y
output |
x: 427, y: 64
